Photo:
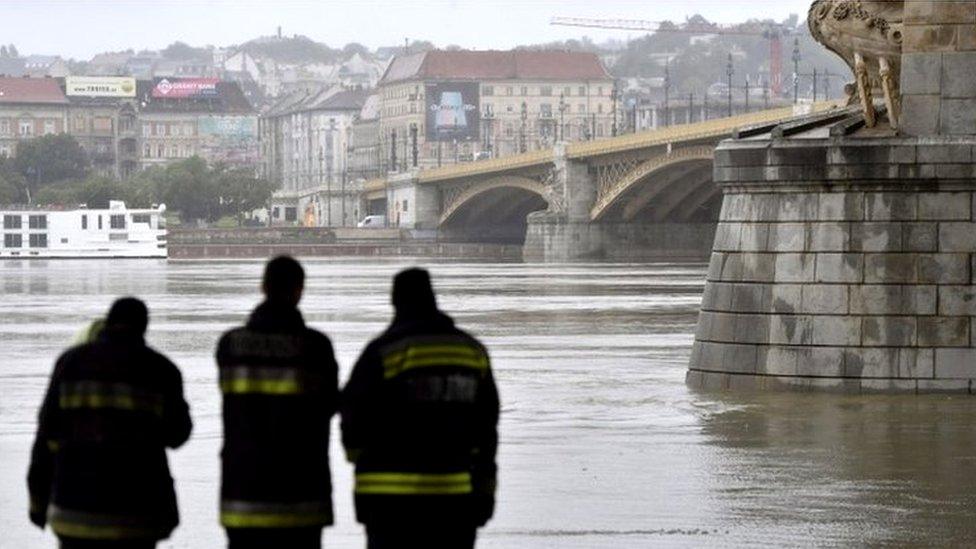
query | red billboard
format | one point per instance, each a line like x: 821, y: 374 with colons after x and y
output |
x: 185, y: 87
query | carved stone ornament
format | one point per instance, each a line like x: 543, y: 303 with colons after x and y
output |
x: 867, y: 34
x: 554, y: 194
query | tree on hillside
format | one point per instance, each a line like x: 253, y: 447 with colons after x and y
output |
x: 3, y: 52
x: 297, y: 49
x: 182, y: 50
x: 12, y: 51
x: 353, y: 48
x: 49, y: 159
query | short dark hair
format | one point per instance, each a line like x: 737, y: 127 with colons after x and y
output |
x: 413, y: 293
x: 282, y: 277
x: 128, y: 313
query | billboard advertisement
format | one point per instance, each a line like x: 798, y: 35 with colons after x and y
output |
x: 100, y: 86
x: 230, y: 139
x: 453, y: 111
x: 166, y: 88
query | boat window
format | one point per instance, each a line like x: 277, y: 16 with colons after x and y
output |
x: 12, y: 241
x: 140, y: 218
x: 38, y: 240
x: 37, y: 221
x: 117, y: 221
x: 118, y: 236
x: 84, y: 221
x: 64, y: 240
x: 11, y: 222
x: 99, y: 222
x: 291, y: 214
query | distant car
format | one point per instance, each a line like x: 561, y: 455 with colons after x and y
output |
x: 372, y: 221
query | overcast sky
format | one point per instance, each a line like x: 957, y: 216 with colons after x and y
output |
x: 81, y: 28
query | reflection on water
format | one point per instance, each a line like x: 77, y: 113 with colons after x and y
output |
x: 601, y: 443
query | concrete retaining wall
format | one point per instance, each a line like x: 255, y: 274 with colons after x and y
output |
x: 843, y: 266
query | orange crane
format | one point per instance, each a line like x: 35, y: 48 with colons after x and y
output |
x: 772, y: 32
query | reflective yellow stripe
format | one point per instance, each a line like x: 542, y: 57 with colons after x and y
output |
x: 53, y: 446
x: 251, y: 514
x: 260, y: 386
x: 413, y: 483
x: 119, y: 402
x: 272, y: 520
x: 419, y: 356
x: 82, y: 524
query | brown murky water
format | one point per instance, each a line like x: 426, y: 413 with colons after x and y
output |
x: 602, y: 445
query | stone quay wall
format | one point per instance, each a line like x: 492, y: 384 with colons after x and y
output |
x: 842, y: 265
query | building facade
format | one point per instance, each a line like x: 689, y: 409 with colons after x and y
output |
x: 457, y: 106
x: 305, y: 139
x: 30, y: 107
x: 102, y: 117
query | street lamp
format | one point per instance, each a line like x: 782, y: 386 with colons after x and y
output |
x: 562, y: 117
x: 524, y: 115
x: 613, y: 110
x: 413, y: 142
x: 730, y: 71
x: 796, y: 70
x: 667, y: 91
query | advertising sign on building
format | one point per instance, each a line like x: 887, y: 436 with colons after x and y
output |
x: 185, y: 87
x: 100, y: 86
x: 453, y: 111
x: 230, y: 139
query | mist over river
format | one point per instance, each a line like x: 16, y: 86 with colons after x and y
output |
x: 602, y: 445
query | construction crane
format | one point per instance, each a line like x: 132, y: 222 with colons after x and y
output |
x: 772, y: 32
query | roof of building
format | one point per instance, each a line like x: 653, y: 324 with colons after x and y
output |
x: 12, y: 66
x: 31, y: 90
x: 496, y: 65
x: 329, y: 99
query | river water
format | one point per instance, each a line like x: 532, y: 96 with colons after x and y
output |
x: 602, y: 445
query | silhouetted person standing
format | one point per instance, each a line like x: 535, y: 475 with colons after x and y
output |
x: 419, y: 420
x: 279, y: 382
x: 98, y: 472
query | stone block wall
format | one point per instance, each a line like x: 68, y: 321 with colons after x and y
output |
x: 845, y: 265
x: 938, y: 76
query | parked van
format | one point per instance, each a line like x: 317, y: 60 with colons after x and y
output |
x: 373, y: 221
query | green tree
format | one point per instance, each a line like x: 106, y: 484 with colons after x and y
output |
x: 50, y: 158
x: 189, y: 186
x: 241, y: 192
x: 11, y: 188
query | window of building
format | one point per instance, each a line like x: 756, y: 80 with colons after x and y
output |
x: 26, y: 128
x: 79, y: 123
x: 275, y: 212
x: 525, y: 90
x: 599, y: 130
x: 37, y: 222
x: 102, y: 124
x: 599, y: 90
x: 11, y: 221
x: 291, y: 213
x: 176, y: 129
x: 4, y: 151
x: 488, y: 90
x: 4, y: 127
x: 581, y: 108
x: 582, y: 91
x: 84, y: 221
x: 160, y: 151
x: 545, y: 110
x: 545, y: 91
x: 160, y: 129
x: 48, y: 127
x: 116, y: 221
x: 567, y: 91
x: 405, y: 202
x: 38, y: 240
x: 146, y: 150
x: 13, y: 241
x: 510, y: 108
x: 146, y: 130
x: 141, y: 218
x: 599, y: 108
x: 509, y: 90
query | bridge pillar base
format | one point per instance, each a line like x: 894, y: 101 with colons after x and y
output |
x: 554, y: 238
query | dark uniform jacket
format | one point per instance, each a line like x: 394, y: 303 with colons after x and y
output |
x: 99, y: 468
x: 279, y: 382
x: 419, y: 420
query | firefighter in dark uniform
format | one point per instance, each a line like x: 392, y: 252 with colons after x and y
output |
x: 419, y: 420
x: 98, y: 472
x: 279, y: 382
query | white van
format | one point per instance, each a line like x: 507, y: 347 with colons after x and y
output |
x: 372, y: 221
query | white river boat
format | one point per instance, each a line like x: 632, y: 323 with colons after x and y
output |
x: 83, y: 233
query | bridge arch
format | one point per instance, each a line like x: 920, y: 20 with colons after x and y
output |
x: 493, y: 209
x: 669, y: 185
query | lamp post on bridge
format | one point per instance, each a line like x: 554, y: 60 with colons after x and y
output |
x: 667, y: 91
x: 796, y: 71
x: 524, y: 116
x: 730, y: 71
x: 562, y: 117
x: 613, y: 110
